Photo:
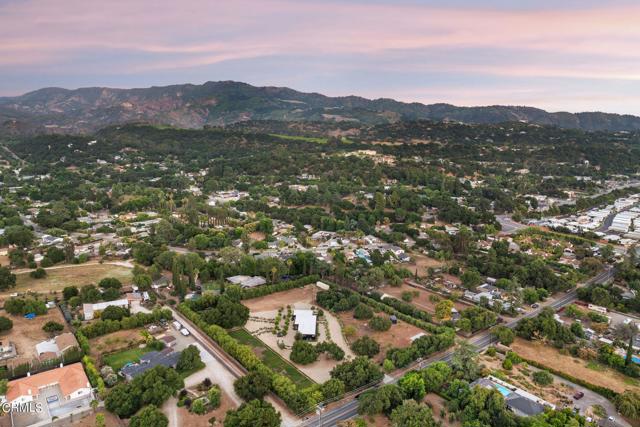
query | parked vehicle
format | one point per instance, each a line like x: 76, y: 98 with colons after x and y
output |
x: 578, y: 395
x: 184, y: 331
x: 177, y: 325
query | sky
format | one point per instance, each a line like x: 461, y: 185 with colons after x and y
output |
x: 561, y: 55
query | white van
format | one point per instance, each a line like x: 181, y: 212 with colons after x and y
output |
x: 177, y: 325
x: 184, y: 331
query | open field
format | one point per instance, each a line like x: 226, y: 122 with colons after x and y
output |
x: 119, y: 359
x: 422, y: 263
x: 398, y: 336
x: 575, y: 367
x: 26, y: 333
x: 61, y: 276
x: 281, y: 299
x: 423, y: 300
x: 271, y: 358
x: 115, y: 341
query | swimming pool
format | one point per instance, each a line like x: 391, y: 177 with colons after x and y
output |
x: 502, y: 389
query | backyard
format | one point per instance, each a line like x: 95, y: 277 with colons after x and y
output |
x: 26, y: 333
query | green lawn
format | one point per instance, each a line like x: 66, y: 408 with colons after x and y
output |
x: 272, y: 359
x: 121, y: 358
x: 190, y: 372
x: 300, y: 138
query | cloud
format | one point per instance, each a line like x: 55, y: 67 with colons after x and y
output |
x: 574, y: 40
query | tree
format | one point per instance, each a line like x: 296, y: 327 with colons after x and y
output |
x: 215, y: 396
x: 7, y: 279
x: 254, y: 385
x: 464, y: 361
x: 412, y: 414
x: 52, y: 327
x: 198, y: 406
x: 149, y: 416
x: 412, y: 386
x: 152, y: 387
x: 332, y: 388
x: 70, y: 292
x: 113, y: 312
x: 505, y: 335
x: 543, y: 378
x: 110, y: 283
x: 443, y: 309
x: 363, y: 311
x: 357, y: 372
x: 38, y: 273
x: 303, y: 352
x: 381, y: 400
x: 256, y: 413
x: 471, y: 279
x: 365, y: 346
x: 628, y: 404
x: 5, y: 324
x: 189, y: 359
x: 436, y: 375
x: 18, y: 235
x: 379, y: 323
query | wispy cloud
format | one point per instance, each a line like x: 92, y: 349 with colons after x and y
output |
x: 145, y: 38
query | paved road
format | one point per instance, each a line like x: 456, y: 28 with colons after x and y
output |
x: 350, y: 409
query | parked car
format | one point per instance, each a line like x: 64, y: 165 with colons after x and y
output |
x: 579, y: 395
x: 184, y: 331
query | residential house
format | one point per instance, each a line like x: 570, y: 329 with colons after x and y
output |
x: 90, y: 309
x: 305, y: 322
x: 166, y: 357
x: 59, y: 392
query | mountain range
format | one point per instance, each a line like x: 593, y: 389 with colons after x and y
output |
x: 221, y: 103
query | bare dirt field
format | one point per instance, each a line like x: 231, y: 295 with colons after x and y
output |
x: 115, y: 341
x: 186, y: 418
x: 67, y: 275
x: 282, y: 299
x: 398, y: 336
x: 111, y: 420
x: 437, y: 403
x: 263, y: 313
x: 26, y: 333
x: 422, y: 301
x: 422, y: 263
x: 548, y: 356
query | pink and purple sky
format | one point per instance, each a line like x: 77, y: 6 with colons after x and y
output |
x: 572, y: 55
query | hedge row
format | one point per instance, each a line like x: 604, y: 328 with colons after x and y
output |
x: 94, y: 376
x: 603, y: 391
x: 297, y: 400
x: 261, y: 291
x: 103, y: 327
x: 421, y: 347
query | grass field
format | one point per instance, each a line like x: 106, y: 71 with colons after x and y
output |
x: 271, y: 358
x: 121, y: 358
x: 300, y: 138
x: 67, y: 275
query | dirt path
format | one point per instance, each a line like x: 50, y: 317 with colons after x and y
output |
x: 170, y: 409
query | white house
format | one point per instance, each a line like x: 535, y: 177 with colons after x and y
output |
x: 90, y: 309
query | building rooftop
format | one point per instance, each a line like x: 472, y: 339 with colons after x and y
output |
x: 69, y: 378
